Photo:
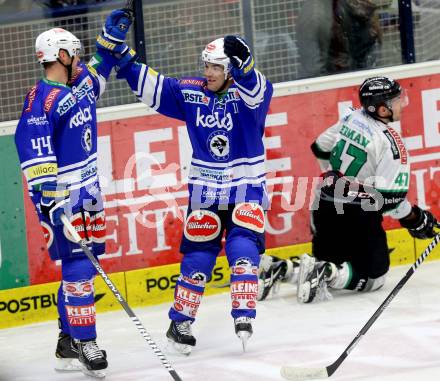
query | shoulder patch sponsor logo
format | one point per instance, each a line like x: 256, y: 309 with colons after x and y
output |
x: 31, y: 98
x: 193, y: 82
x: 49, y: 101
x: 66, y: 104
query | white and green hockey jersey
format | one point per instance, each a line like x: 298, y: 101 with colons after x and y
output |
x: 370, y: 154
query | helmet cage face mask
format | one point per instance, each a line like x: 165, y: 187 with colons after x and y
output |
x: 48, y: 45
x: 214, y: 53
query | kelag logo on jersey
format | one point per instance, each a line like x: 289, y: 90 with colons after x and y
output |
x: 81, y: 117
x: 218, y: 145
x: 197, y: 97
x: 214, y: 120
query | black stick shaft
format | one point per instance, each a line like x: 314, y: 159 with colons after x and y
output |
x: 332, y: 368
x: 82, y: 243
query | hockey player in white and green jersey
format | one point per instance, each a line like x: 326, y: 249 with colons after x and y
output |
x: 366, y: 175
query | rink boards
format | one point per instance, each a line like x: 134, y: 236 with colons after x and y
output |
x: 145, y: 287
x: 143, y: 166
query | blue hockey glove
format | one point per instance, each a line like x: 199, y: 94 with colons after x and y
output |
x: 129, y: 55
x: 104, y: 60
x: 420, y: 223
x: 239, y: 53
x: 55, y: 201
x: 114, y: 31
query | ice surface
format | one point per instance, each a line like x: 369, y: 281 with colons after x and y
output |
x: 403, y: 344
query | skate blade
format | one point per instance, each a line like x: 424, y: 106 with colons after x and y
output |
x: 182, y: 349
x: 67, y: 365
x: 306, y: 265
x: 93, y: 373
x: 244, y: 337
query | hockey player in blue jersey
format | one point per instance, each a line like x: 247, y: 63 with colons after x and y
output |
x: 225, y: 113
x: 56, y: 140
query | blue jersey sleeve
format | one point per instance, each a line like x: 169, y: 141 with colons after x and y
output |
x: 33, y: 137
x: 88, y: 78
x: 161, y: 93
x: 254, y: 89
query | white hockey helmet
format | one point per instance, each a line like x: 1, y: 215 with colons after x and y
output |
x: 49, y: 43
x: 214, y: 53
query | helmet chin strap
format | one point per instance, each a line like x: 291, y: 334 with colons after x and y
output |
x: 390, y: 109
x: 390, y: 118
x: 68, y: 68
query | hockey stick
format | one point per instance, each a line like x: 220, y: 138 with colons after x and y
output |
x: 82, y: 243
x: 129, y: 6
x: 301, y: 374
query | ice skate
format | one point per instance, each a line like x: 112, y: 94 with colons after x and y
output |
x: 180, y: 337
x: 66, y: 354
x: 243, y: 329
x: 93, y: 360
x: 312, y: 280
x: 273, y: 270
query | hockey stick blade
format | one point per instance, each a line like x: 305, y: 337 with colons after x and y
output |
x: 303, y: 374
x: 299, y: 374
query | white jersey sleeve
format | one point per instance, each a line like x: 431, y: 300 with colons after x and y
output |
x: 324, y: 144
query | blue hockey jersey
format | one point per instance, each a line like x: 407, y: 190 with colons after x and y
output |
x: 56, y: 136
x: 226, y: 132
